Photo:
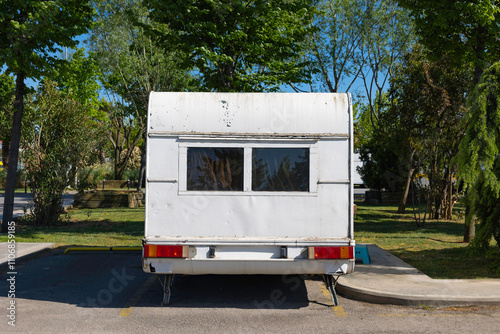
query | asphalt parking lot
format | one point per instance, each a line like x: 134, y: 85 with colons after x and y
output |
x: 90, y: 292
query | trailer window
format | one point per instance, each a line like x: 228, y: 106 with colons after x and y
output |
x: 280, y: 169
x: 215, y: 169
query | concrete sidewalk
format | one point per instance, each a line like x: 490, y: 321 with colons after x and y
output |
x: 23, y: 252
x: 389, y: 280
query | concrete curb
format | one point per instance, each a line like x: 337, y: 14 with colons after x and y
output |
x: 381, y: 297
x: 389, y: 280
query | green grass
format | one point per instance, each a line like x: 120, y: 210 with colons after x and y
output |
x: 17, y: 190
x: 437, y: 249
x: 89, y: 227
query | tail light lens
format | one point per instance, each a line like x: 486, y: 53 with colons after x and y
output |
x: 172, y: 251
x: 342, y: 252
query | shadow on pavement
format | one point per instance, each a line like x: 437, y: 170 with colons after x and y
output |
x: 116, y: 280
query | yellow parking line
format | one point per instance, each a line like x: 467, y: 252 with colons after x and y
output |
x: 101, y: 249
x: 339, y: 310
x: 401, y: 315
x: 126, y: 311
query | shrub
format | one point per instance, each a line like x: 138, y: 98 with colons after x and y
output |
x: 57, y: 134
x: 90, y: 176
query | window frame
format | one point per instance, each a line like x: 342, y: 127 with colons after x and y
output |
x: 247, y: 146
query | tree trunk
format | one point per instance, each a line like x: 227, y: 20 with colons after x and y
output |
x: 402, y: 204
x: 8, y: 205
x: 470, y: 225
x: 450, y: 198
x: 118, y: 165
x: 437, y: 207
x: 143, y: 166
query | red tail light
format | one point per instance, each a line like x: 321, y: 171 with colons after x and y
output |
x: 343, y: 252
x: 177, y: 251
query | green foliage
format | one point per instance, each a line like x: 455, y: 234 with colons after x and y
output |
x: 465, y: 30
x: 90, y: 176
x: 7, y: 92
x: 7, y: 89
x: 20, y: 178
x: 131, y: 174
x: 79, y: 79
x: 481, y: 145
x: 134, y: 162
x: 58, y: 135
x: 363, y: 127
x: 429, y: 103
x: 132, y: 66
x: 382, y: 167
x: 420, y: 130
x: 237, y: 45
x: 479, y: 157
x: 34, y: 30
x: 3, y: 176
x: 31, y: 32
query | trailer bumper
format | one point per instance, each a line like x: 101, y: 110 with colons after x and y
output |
x: 252, y: 259
x: 247, y: 267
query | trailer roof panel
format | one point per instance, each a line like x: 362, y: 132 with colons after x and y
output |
x: 293, y: 114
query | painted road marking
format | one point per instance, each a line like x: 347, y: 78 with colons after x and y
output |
x: 339, y: 310
x: 126, y: 311
x: 401, y: 315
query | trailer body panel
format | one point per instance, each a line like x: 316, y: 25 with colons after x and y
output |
x: 249, y: 183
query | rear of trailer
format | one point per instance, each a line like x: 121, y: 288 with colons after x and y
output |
x: 249, y: 183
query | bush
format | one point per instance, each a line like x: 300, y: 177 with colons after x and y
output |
x: 89, y: 177
x: 131, y: 174
x: 20, y: 178
x: 135, y: 159
x: 57, y: 134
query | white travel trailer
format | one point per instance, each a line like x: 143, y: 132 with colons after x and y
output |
x: 249, y: 183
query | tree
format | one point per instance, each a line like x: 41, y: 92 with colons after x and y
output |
x: 467, y: 31
x: 420, y: 131
x: 237, y: 45
x: 428, y: 103
x: 479, y: 156
x: 132, y: 66
x: 358, y: 43
x: 79, y: 79
x: 335, y: 44
x: 7, y: 92
x: 32, y: 30
x: 387, y: 37
x: 58, y: 135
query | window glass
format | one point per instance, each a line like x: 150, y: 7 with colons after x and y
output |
x: 280, y: 169
x: 217, y: 169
